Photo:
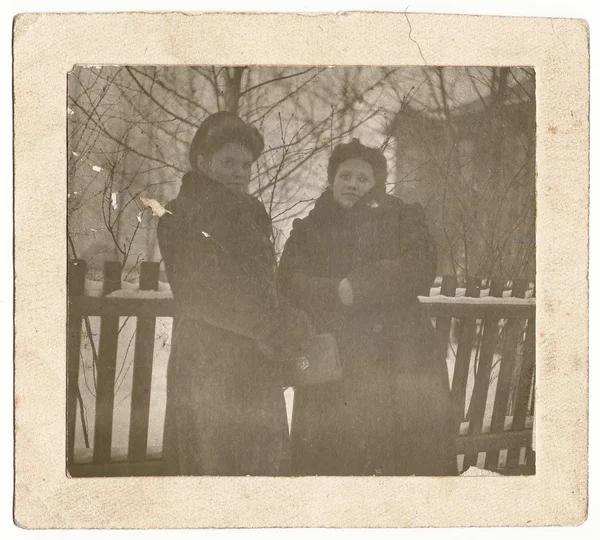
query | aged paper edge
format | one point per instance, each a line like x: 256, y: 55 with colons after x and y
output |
x: 46, y: 46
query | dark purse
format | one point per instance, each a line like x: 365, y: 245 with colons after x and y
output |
x: 321, y: 364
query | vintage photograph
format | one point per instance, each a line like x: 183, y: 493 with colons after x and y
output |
x: 301, y: 270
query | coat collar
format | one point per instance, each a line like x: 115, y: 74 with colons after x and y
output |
x: 327, y: 210
x: 216, y: 199
x: 195, y: 185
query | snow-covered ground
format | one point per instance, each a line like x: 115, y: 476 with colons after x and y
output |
x: 123, y: 385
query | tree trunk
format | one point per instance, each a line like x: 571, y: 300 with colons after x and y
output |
x: 233, y: 90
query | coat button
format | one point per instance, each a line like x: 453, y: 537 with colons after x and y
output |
x: 378, y: 328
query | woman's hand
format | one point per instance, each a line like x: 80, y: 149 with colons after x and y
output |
x: 291, y: 333
x: 345, y: 292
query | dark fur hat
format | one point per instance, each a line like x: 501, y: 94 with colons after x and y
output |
x: 220, y: 128
x: 356, y: 150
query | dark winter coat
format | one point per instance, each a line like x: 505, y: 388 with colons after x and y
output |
x: 391, y: 413
x: 225, y: 407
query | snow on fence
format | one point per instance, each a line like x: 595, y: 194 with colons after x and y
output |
x: 485, y: 335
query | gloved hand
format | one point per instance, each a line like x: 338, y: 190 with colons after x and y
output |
x: 345, y: 292
x: 291, y: 333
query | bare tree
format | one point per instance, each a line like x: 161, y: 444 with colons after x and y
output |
x: 471, y: 163
x: 141, y: 120
x: 464, y: 140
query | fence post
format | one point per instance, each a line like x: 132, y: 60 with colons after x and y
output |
x: 520, y: 287
x: 142, y: 371
x: 512, y: 331
x: 448, y: 286
x: 463, y: 355
x: 523, y: 391
x: 530, y: 453
x: 444, y: 324
x: 75, y: 287
x: 489, y: 340
x: 107, y: 359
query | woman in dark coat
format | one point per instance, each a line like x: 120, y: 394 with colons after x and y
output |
x: 225, y: 406
x: 356, y: 264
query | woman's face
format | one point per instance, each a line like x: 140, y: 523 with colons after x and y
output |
x: 230, y: 165
x: 353, y: 179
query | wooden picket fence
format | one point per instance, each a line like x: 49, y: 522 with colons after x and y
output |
x: 485, y: 336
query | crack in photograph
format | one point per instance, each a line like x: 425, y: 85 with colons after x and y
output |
x: 301, y: 270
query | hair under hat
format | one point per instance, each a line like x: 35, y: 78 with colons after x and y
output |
x: 356, y: 150
x: 220, y: 128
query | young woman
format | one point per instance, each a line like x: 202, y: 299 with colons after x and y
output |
x: 356, y: 264
x: 225, y: 407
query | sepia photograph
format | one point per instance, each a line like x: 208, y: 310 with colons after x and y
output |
x: 301, y: 270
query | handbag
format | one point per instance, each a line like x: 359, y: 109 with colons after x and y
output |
x: 321, y: 364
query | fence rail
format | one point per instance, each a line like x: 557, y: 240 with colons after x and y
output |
x: 482, y: 336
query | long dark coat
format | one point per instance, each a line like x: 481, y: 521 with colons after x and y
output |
x: 391, y: 413
x: 225, y: 406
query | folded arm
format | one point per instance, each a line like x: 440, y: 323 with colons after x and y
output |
x: 408, y: 272
x: 207, y: 285
x: 309, y: 292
